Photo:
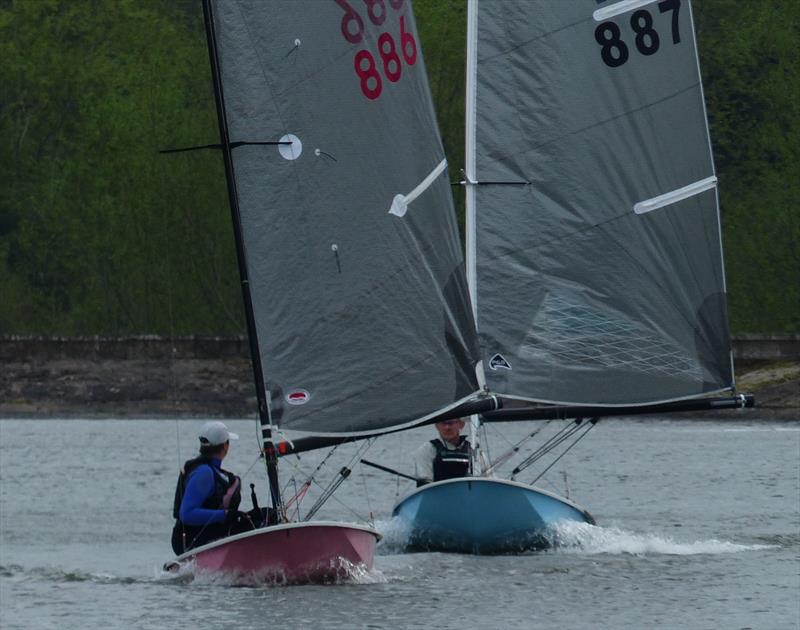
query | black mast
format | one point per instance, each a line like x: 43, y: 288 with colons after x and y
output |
x: 233, y: 198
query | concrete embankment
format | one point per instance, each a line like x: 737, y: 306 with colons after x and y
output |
x: 152, y: 376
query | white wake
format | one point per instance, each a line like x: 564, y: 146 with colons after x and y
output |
x: 572, y: 537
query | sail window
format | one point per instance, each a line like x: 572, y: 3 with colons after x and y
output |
x: 290, y: 151
x: 298, y: 397
x: 400, y: 202
x: 619, y: 8
x: 648, y: 205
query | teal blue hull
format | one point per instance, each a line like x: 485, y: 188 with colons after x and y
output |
x: 483, y: 516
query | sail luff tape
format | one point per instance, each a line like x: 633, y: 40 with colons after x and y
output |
x: 648, y: 205
x: 619, y: 8
x: 480, y: 374
x: 400, y: 202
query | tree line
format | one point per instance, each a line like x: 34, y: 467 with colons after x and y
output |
x: 99, y: 234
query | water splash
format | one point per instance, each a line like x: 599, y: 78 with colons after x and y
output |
x: 572, y: 537
x: 343, y: 572
x: 360, y: 574
x: 395, y: 532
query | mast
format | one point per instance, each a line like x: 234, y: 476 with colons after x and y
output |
x: 469, y: 184
x: 241, y: 257
x: 469, y: 152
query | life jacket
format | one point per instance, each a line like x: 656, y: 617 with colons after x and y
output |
x: 451, y: 463
x: 226, y: 496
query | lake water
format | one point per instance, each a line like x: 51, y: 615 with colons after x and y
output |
x: 698, y: 527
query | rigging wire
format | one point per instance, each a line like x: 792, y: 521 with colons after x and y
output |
x: 564, y: 434
x: 311, y: 480
x: 344, y: 473
x: 255, y: 461
x: 397, y: 489
x: 366, y: 495
x: 350, y: 509
x: 297, y: 498
x: 502, y: 459
x: 173, y: 381
x: 307, y: 483
x: 589, y: 427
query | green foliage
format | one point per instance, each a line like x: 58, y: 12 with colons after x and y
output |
x: 751, y: 73
x: 99, y: 234
x: 442, y: 26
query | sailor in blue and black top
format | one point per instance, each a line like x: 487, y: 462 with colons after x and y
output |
x: 445, y: 457
x: 207, y: 496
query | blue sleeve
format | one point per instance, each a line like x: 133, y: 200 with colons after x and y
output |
x: 199, y: 487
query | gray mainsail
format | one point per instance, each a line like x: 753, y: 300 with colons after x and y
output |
x: 355, y: 269
x: 595, y: 250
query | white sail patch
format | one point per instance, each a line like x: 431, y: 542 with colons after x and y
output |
x: 499, y: 362
x: 290, y: 151
x: 648, y: 205
x: 400, y: 202
x: 619, y: 8
x: 298, y: 397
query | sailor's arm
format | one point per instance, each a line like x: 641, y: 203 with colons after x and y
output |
x: 199, y: 487
x: 423, y: 462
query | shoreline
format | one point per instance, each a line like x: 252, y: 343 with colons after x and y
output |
x: 149, y: 388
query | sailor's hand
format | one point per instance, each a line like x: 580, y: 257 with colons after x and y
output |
x: 235, y: 516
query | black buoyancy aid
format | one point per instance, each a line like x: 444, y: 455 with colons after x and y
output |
x: 451, y: 463
x: 224, y: 483
x: 226, y: 495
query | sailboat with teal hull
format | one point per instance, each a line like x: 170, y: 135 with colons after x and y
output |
x: 483, y: 515
x: 593, y: 282
x: 594, y: 254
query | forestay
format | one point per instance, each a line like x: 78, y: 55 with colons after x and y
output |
x: 352, y: 251
x: 598, y: 254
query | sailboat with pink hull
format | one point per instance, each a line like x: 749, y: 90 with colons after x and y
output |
x: 289, y: 553
x: 351, y: 268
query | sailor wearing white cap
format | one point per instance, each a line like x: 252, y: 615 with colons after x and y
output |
x: 207, y: 497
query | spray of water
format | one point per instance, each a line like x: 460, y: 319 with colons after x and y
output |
x: 395, y: 532
x: 572, y: 537
x: 345, y: 572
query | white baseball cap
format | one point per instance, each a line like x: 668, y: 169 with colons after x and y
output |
x: 215, y: 432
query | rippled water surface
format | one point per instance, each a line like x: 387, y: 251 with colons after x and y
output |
x: 698, y: 527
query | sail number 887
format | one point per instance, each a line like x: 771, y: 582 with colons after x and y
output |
x: 615, y: 52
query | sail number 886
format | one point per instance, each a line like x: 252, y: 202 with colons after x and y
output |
x: 391, y: 52
x: 614, y: 51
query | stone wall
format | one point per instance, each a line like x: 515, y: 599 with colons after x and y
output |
x: 42, y: 348
x: 767, y: 347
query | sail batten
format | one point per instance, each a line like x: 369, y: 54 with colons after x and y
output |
x: 695, y: 188
x: 618, y: 8
x: 585, y: 293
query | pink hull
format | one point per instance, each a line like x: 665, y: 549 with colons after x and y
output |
x: 290, y: 553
